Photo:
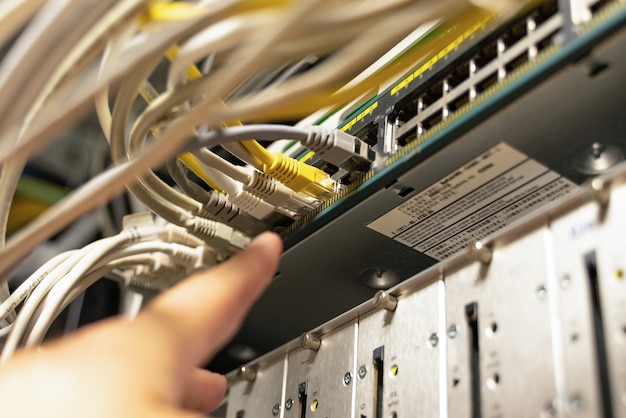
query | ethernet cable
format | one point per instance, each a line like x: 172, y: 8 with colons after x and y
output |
x: 47, y: 39
x: 180, y: 259
x: 172, y: 260
x: 21, y: 77
x: 82, y: 259
x: 190, y: 162
x: 191, y: 189
x: 251, y: 204
x: 24, y: 290
x: 217, y: 38
x: 299, y: 177
x: 169, y: 204
x: 166, y: 202
x: 4, y: 331
x: 14, y: 14
x: 292, y: 97
x: 74, y: 98
x: 277, y: 105
x: 260, y: 185
x: 44, y: 271
x: 215, y: 206
x: 321, y: 32
x: 70, y: 267
x: 176, y: 132
x: 174, y: 140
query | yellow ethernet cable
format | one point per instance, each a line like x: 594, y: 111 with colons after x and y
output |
x: 296, y: 175
x: 192, y: 164
x: 161, y: 10
x: 257, y: 151
x: 301, y: 178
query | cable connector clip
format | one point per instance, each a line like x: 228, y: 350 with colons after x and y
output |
x: 337, y: 147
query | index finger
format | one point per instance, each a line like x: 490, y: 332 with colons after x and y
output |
x: 201, y: 314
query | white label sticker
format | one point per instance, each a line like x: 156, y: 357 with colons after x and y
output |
x: 484, y: 195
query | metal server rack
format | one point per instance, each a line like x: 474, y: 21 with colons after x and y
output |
x: 531, y: 322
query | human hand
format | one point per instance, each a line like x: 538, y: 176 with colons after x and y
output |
x: 147, y: 367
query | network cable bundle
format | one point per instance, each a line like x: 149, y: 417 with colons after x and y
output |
x: 380, y: 139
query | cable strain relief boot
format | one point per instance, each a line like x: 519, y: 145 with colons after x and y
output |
x: 220, y: 209
x: 261, y: 185
x: 218, y: 235
x: 319, y: 139
x: 301, y: 177
x: 252, y: 204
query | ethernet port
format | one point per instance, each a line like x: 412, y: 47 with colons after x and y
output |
x: 486, y: 54
x: 487, y: 82
x: 595, y: 8
x: 546, y: 42
x: 458, y: 75
x: 350, y: 177
x: 517, y: 62
x: 432, y: 120
x: 368, y: 134
x: 406, y: 109
x: 407, y: 137
x: 459, y: 102
x: 545, y: 12
x: 434, y: 93
x: 516, y: 32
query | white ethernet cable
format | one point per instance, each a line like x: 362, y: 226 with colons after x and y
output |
x: 99, y: 189
x: 222, y: 36
x: 53, y: 282
x: 260, y: 185
x: 24, y: 290
x: 14, y: 14
x: 238, y: 196
x: 42, y: 45
x: 47, y: 39
x: 220, y: 83
x: 342, y: 66
x: 176, y: 262
x: 73, y: 98
x: 215, y: 206
x: 83, y: 259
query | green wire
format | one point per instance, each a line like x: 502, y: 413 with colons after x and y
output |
x: 39, y: 190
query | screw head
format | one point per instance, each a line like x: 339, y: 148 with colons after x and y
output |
x: 275, y: 409
x: 434, y: 339
x: 550, y: 410
x: 452, y: 331
x: 565, y: 281
x: 576, y: 403
x: 362, y: 371
x: 347, y: 378
x: 289, y: 404
x: 541, y: 292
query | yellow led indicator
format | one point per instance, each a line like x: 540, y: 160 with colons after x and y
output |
x: 394, y: 370
x: 314, y: 405
x: 360, y: 116
x: 445, y: 51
